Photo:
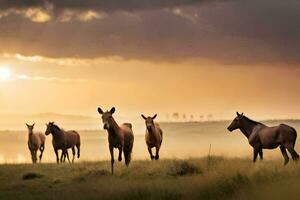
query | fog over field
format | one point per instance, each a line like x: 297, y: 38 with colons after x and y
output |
x: 181, y: 140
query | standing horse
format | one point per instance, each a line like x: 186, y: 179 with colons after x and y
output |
x: 262, y: 137
x: 154, y: 136
x: 120, y: 137
x: 36, y: 141
x: 63, y: 140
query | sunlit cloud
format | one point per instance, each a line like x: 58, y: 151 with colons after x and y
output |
x: 193, y: 17
x: 46, y: 78
x: 65, y: 61
x: 84, y: 16
x: 34, y: 14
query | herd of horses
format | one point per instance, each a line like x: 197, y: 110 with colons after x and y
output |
x: 121, y: 137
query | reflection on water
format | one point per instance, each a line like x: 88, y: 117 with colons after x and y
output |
x: 181, y: 140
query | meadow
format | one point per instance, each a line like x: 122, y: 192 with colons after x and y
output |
x: 203, y: 178
x: 188, y: 168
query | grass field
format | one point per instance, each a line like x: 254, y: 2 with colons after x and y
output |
x: 203, y: 178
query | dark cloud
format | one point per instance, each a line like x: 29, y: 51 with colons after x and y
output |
x: 105, y: 5
x: 231, y: 32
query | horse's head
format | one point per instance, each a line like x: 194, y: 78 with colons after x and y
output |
x: 149, y: 121
x: 236, y: 123
x: 30, y: 128
x: 49, y: 128
x: 106, y: 117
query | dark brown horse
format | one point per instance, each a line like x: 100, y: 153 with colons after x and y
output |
x: 36, y: 141
x: 262, y: 137
x: 120, y: 137
x: 154, y: 136
x: 63, y: 140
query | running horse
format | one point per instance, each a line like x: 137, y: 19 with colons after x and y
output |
x: 262, y: 137
x: 120, y: 137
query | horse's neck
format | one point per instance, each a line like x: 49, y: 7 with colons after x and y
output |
x: 248, y: 126
x: 30, y: 135
x: 114, y: 128
x: 57, y: 133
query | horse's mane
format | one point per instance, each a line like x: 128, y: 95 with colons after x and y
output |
x: 250, y: 120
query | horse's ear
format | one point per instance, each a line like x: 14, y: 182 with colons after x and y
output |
x: 154, y: 116
x: 33, y: 124
x: 100, y: 111
x: 238, y: 114
x: 112, y: 110
x: 27, y: 124
x: 242, y: 114
x: 143, y: 116
x: 46, y: 124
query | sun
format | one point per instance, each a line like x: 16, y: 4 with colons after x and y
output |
x: 5, y: 73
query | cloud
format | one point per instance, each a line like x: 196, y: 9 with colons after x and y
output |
x: 258, y: 32
x: 82, y: 10
x: 25, y: 77
x: 193, y: 17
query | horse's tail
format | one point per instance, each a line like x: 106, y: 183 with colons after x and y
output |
x: 78, y: 146
x: 295, y: 135
x: 127, y: 153
x: 128, y: 145
x: 128, y: 125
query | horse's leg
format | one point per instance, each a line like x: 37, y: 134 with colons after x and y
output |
x: 42, y: 148
x: 56, y: 153
x: 293, y: 153
x: 35, y: 155
x: 157, y: 153
x: 255, y: 154
x: 120, y: 154
x: 31, y: 153
x: 62, y: 156
x: 150, y: 152
x: 78, y: 150
x: 261, y: 153
x: 73, y: 152
x: 111, y: 149
x: 284, y: 154
x: 67, y: 154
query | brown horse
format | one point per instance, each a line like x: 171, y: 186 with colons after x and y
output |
x: 120, y: 137
x: 154, y: 136
x: 262, y: 137
x: 63, y: 140
x: 36, y: 141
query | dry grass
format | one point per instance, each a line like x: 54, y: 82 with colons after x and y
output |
x: 213, y: 178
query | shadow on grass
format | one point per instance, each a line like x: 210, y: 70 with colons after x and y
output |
x: 32, y: 175
x: 183, y: 168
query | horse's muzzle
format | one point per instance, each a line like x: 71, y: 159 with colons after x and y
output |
x: 229, y: 129
x: 105, y: 126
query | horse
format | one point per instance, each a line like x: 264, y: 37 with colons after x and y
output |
x: 153, y: 136
x: 36, y: 141
x: 262, y: 137
x: 120, y: 137
x: 63, y: 140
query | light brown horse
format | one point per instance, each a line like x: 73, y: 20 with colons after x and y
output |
x: 120, y: 137
x: 154, y: 136
x: 63, y: 140
x: 36, y: 141
x: 262, y: 137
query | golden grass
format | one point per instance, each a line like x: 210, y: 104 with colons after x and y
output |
x: 205, y: 178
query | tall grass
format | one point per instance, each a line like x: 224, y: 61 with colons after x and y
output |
x: 207, y: 178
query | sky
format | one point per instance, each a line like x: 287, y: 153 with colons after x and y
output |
x: 195, y: 57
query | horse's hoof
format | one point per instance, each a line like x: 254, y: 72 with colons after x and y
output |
x: 152, y: 157
x: 157, y: 157
x: 119, y: 159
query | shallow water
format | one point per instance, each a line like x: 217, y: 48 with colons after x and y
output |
x: 181, y: 140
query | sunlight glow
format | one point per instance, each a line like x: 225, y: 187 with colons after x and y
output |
x: 5, y: 74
